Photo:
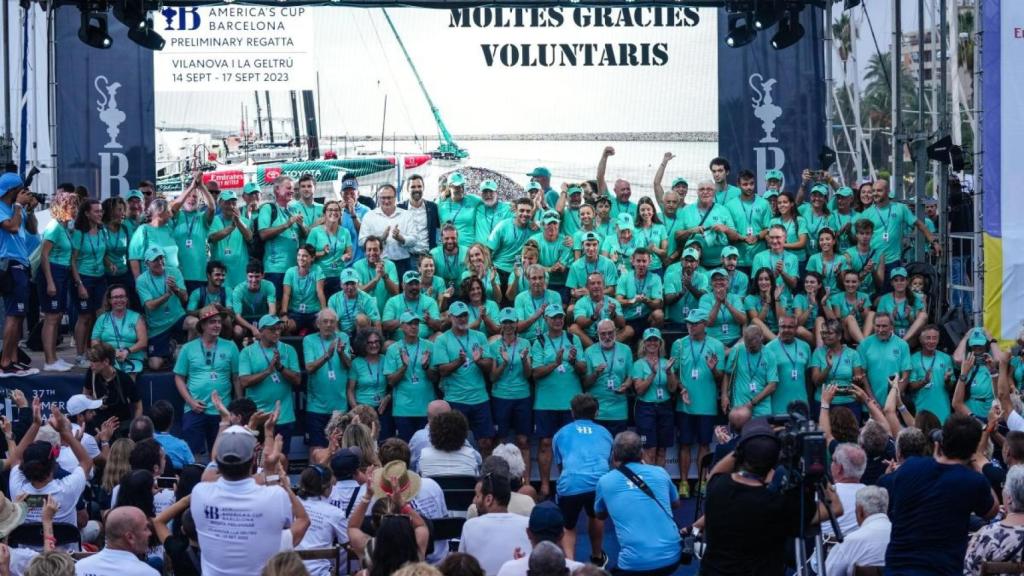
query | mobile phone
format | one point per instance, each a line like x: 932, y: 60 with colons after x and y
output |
x: 166, y: 481
x: 844, y: 391
x: 35, y: 501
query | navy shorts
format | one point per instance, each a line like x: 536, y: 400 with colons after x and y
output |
x: 655, y: 423
x: 406, y: 426
x: 303, y: 321
x: 332, y: 285
x: 53, y: 304
x: 479, y: 417
x: 16, y: 297
x: 571, y: 506
x: 160, y: 344
x: 547, y: 422
x: 96, y: 287
x: 613, y: 426
x: 513, y: 416
x: 695, y: 429
x: 277, y: 279
x: 315, y: 426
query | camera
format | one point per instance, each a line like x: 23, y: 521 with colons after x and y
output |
x: 803, y: 453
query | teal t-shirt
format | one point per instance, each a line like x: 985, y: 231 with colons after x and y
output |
x: 231, y: 250
x: 751, y: 374
x: 837, y: 221
x: 120, y: 334
x: 208, y: 369
x: 117, y: 249
x: 651, y: 237
x: 487, y: 217
x: 414, y: 391
x: 791, y: 362
x: 326, y: 386
x: 658, y: 389
x: 332, y: 263
x: 903, y: 312
x: 463, y: 215
x: 831, y: 272
x: 466, y: 385
x: 750, y: 217
x: 367, y: 273
x: 801, y: 303
x: 815, y: 223
x: 60, y: 238
x: 90, y: 249
x: 253, y: 305
x: 570, y: 221
x: 581, y: 268
x: 882, y: 360
x: 843, y: 307
x: 712, y: 242
x: 255, y: 359
x: 348, y: 310
x: 449, y: 267
x: 753, y: 305
x: 935, y: 371
x: 147, y: 235
x: 695, y: 375
x: 891, y: 224
x: 202, y: 296
x: 618, y: 363
x: 678, y: 310
x: 552, y: 253
x: 304, y: 298
x: 310, y: 213
x: 191, y: 231
x: 981, y: 390
x: 513, y: 383
x: 794, y: 229
x: 584, y: 308
x: 629, y: 286
x: 767, y: 259
x: 724, y: 328
x: 422, y: 307
x: 856, y: 260
x: 161, y: 319
x: 620, y: 254
x: 526, y: 305
x: 280, y: 251
x: 841, y: 373
x: 369, y: 379
x: 506, y: 243
x: 556, y: 390
x: 730, y: 193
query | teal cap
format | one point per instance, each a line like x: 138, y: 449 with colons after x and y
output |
x: 227, y: 196
x: 624, y: 222
x: 551, y: 216
x: 489, y: 185
x: 540, y: 172
x: 697, y: 315
x: 900, y: 271
x: 691, y: 253
x: 458, y: 308
x: 251, y: 188
x: 591, y: 237
x: 772, y: 193
x: 977, y: 338
x: 680, y: 182
x: 349, y: 275
x: 774, y: 175
x: 820, y: 189
x: 134, y: 193
x: 719, y: 272
x: 652, y: 333
x: 267, y: 321
x: 154, y: 252
x: 730, y: 251
x: 409, y: 317
x: 410, y: 276
x: 456, y: 179
x: 507, y: 315
x: 554, y: 310
x: 574, y: 190
x: 845, y: 191
x: 533, y: 187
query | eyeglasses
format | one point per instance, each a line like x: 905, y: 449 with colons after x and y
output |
x: 329, y: 210
x: 147, y: 193
x: 385, y: 197
x: 373, y: 341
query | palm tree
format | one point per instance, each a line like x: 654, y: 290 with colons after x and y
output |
x: 841, y: 32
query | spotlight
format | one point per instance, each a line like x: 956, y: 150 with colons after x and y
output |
x: 790, y: 31
x: 766, y: 14
x: 741, y: 30
x: 850, y: 4
x: 146, y: 36
x: 93, y: 30
x: 131, y: 13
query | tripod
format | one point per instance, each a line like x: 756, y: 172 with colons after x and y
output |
x: 799, y: 550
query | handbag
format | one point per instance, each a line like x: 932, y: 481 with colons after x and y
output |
x: 687, y: 540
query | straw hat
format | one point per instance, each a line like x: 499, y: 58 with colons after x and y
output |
x: 394, y: 478
x: 11, y: 515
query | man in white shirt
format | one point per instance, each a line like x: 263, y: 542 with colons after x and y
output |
x: 865, y: 546
x: 81, y: 411
x: 848, y: 464
x: 391, y: 225
x: 239, y: 522
x: 545, y: 529
x: 494, y: 536
x: 421, y: 439
x: 128, y: 534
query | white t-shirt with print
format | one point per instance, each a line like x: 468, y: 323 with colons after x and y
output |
x: 493, y: 539
x: 67, y: 491
x: 327, y: 525
x: 239, y: 525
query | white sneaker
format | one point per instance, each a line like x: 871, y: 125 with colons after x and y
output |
x: 58, y: 366
x: 82, y: 362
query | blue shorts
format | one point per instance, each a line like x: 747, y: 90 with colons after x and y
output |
x: 513, y: 415
x: 277, y: 279
x: 303, y: 321
x: 547, y: 422
x: 695, y: 429
x: 479, y: 417
x: 53, y: 304
x: 406, y: 426
x: 16, y: 296
x: 571, y: 506
x: 655, y: 423
x: 613, y: 426
x: 315, y: 426
x: 96, y: 287
x: 160, y: 344
x: 332, y: 285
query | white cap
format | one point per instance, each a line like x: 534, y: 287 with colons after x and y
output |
x: 80, y: 403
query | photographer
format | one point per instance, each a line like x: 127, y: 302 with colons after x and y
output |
x: 750, y: 518
x: 17, y: 222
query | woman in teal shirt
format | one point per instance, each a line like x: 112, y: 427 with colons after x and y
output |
x: 826, y: 262
x: 836, y: 363
x: 303, y: 293
x: 808, y: 307
x: 852, y: 309
x: 650, y: 233
x: 118, y: 235
x: 367, y: 383
x: 333, y: 245
x: 764, y: 303
x: 431, y: 284
x: 54, y: 263
x: 479, y: 265
x: 906, y: 308
x: 88, y: 250
x: 483, y: 313
x: 655, y: 382
x: 123, y: 329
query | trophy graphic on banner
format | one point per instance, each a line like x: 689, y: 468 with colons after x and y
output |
x: 110, y: 114
x: 765, y: 108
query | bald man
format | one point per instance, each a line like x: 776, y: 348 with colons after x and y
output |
x: 127, y: 538
x: 421, y: 439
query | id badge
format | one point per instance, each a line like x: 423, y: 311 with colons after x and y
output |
x: 901, y: 332
x: 560, y: 369
x: 275, y: 378
x: 465, y: 364
x: 725, y: 328
x: 302, y: 308
x: 188, y: 243
x: 793, y: 374
x: 610, y: 383
x: 750, y: 230
x: 695, y: 374
x: 213, y: 376
x: 331, y: 375
x: 660, y: 394
x: 415, y: 379
x: 227, y: 251
x: 686, y: 312
x: 753, y: 386
x: 885, y: 236
x: 376, y: 397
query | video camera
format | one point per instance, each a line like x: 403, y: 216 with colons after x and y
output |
x: 803, y: 453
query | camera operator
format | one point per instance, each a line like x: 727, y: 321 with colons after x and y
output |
x: 749, y: 518
x: 17, y: 223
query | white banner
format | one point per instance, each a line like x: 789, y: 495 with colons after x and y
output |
x: 227, y: 48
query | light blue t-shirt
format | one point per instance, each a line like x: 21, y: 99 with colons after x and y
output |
x: 581, y: 451
x: 648, y: 537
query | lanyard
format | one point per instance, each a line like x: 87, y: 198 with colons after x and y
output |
x: 586, y: 265
x: 884, y: 221
x: 304, y: 288
x: 835, y: 365
x: 748, y: 214
x: 896, y: 307
x: 253, y: 304
x: 456, y: 213
x: 511, y: 352
x: 490, y: 219
x: 415, y: 310
x: 561, y: 345
x: 697, y: 355
x: 750, y: 370
x: 117, y: 332
x: 156, y: 289
x: 935, y: 358
x: 210, y: 355
x: 537, y: 302
x: 191, y: 218
x: 95, y: 245
x: 640, y: 286
x: 414, y: 358
x: 324, y: 347
x: 376, y: 376
x: 333, y: 241
x: 610, y: 363
x: 791, y: 359
x: 449, y: 263
x: 265, y: 357
x: 522, y: 235
x: 461, y: 345
x: 655, y: 370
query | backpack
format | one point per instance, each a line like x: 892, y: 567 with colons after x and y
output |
x: 257, y: 245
